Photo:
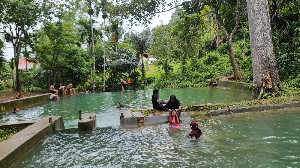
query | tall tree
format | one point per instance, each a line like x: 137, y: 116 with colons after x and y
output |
x: 162, y: 47
x: 227, y: 21
x: 265, y: 74
x: 142, y: 42
x: 18, y: 17
x: 229, y: 34
x: 55, y: 44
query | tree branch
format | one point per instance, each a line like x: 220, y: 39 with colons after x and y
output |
x: 220, y: 24
x: 237, y: 21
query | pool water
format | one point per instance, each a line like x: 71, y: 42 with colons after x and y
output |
x: 103, y: 104
x: 262, y: 139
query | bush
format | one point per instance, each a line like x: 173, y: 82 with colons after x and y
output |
x: 292, y: 82
x: 2, y: 86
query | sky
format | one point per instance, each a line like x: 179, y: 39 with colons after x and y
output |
x: 162, y: 18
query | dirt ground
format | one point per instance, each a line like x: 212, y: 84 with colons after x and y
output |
x: 11, y: 95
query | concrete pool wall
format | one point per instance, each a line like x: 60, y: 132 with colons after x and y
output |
x: 27, y: 101
x: 24, y: 102
x: 20, y: 143
x: 222, y: 83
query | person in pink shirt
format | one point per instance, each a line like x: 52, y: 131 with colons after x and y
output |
x: 174, y: 120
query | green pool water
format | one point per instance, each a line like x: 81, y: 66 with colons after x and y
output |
x: 103, y: 104
x: 264, y: 139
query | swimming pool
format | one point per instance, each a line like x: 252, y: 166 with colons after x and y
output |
x: 103, y: 104
x: 268, y: 139
x: 263, y: 139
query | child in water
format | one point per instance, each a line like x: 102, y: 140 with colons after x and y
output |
x: 174, y: 120
x: 196, y: 132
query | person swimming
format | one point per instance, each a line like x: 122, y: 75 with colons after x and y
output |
x: 15, y: 110
x: 119, y: 105
x: 196, y: 132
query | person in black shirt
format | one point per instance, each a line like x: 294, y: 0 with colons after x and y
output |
x: 15, y: 110
x: 157, y: 104
x: 174, y: 104
x: 119, y: 105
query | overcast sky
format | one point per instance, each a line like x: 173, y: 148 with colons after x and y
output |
x: 162, y: 18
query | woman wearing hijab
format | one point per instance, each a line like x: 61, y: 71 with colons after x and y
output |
x: 157, y: 104
x: 174, y: 104
x: 196, y: 132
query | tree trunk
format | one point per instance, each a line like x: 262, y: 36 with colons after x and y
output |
x: 229, y: 38
x: 104, y: 71
x: 54, y: 76
x: 263, y: 59
x: 233, y: 61
x: 143, y: 72
x: 49, y: 80
x: 93, y: 54
x: 17, y: 54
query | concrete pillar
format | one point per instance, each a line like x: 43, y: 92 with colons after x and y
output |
x: 87, y: 122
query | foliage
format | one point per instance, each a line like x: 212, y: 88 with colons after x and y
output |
x: 123, y: 64
x: 193, y: 53
x: 190, y: 49
x: 59, y: 53
x: 7, y: 132
x: 18, y: 18
x: 286, y: 28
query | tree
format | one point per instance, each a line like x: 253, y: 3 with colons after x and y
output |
x: 142, y: 42
x: 223, y: 16
x: 56, y: 43
x: 265, y: 74
x: 229, y: 34
x: 2, y: 60
x: 162, y: 47
x: 17, y: 18
x: 186, y: 35
x: 285, y: 17
x: 116, y: 31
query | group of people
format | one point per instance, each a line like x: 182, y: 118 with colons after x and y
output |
x: 61, y: 90
x: 174, y: 108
